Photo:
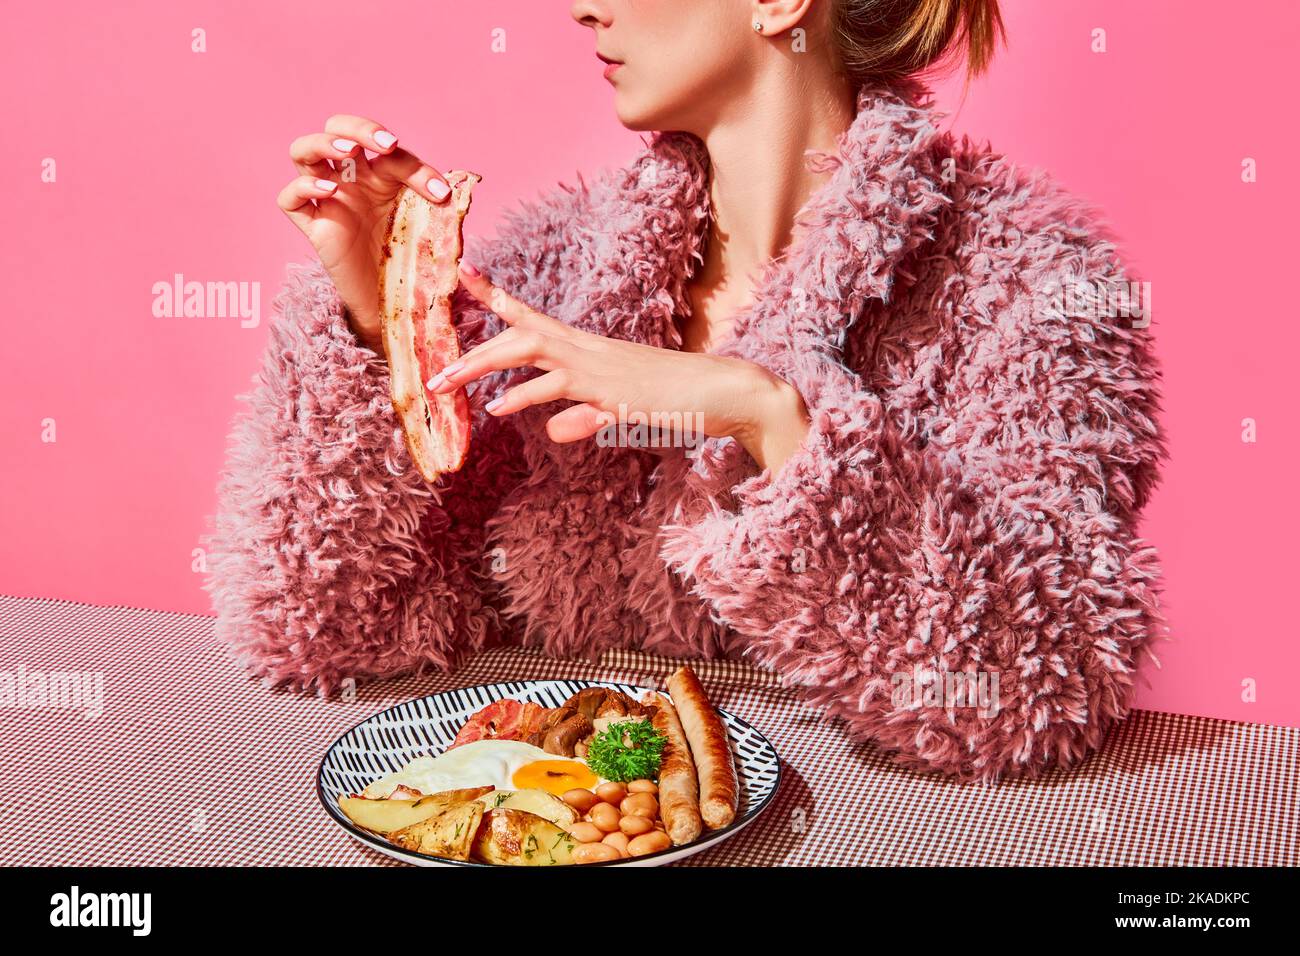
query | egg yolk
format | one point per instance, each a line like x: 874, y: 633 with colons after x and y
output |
x: 554, y: 776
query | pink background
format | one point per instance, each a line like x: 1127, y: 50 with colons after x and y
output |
x: 169, y: 161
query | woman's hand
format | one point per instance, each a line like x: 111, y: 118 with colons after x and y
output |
x: 341, y: 201
x: 723, y: 397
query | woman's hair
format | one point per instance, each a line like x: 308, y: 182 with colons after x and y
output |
x: 889, y: 39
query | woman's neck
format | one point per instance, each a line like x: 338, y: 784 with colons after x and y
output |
x: 759, y: 179
x: 758, y: 182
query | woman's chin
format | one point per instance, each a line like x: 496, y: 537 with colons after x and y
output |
x: 640, y: 113
x: 632, y: 114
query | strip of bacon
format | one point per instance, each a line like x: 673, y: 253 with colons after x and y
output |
x: 417, y: 277
x: 504, y: 719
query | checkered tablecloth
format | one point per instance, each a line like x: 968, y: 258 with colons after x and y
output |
x: 193, y: 763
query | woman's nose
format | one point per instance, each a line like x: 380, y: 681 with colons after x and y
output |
x: 590, y: 13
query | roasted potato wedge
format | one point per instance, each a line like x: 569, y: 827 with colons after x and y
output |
x: 449, y: 835
x: 539, y: 802
x: 385, y: 816
x: 518, y: 838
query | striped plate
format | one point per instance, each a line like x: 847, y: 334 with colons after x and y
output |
x: 390, y: 739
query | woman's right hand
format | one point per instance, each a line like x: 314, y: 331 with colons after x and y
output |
x: 341, y: 201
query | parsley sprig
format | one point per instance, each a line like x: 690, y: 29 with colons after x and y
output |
x: 627, y: 750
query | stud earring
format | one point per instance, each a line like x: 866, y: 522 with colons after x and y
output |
x: 758, y: 26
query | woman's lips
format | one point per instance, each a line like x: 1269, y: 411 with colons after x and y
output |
x: 610, y: 65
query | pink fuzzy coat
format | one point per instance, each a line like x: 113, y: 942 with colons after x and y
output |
x: 966, y: 500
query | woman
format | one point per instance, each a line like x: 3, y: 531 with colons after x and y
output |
x: 917, y: 463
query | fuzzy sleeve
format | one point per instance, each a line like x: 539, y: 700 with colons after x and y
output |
x: 330, y: 557
x: 994, y: 540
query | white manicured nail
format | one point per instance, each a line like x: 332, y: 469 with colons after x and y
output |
x: 326, y: 184
x: 344, y: 145
x: 438, y: 189
x: 384, y: 139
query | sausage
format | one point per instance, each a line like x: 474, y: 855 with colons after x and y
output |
x: 707, y: 735
x: 679, y: 790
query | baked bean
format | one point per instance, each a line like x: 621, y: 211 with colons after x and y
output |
x: 641, y: 805
x: 647, y: 843
x: 585, y: 832
x: 605, y: 816
x: 633, y: 825
x: 594, y: 853
x: 581, y: 800
x: 642, y: 786
x: 612, y: 792
x: 618, y: 841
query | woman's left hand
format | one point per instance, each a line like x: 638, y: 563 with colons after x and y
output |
x: 724, y: 397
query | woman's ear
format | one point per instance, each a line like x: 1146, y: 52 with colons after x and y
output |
x: 775, y: 17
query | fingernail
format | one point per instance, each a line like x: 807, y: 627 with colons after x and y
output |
x: 433, y: 383
x: 438, y: 189
x: 452, y: 369
x: 493, y: 405
x: 326, y: 184
x: 469, y: 269
x: 384, y: 139
x: 344, y: 145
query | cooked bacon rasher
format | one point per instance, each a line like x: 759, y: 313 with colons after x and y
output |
x: 417, y: 277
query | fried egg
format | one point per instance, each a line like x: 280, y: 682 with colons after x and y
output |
x: 555, y: 775
x: 503, y: 764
